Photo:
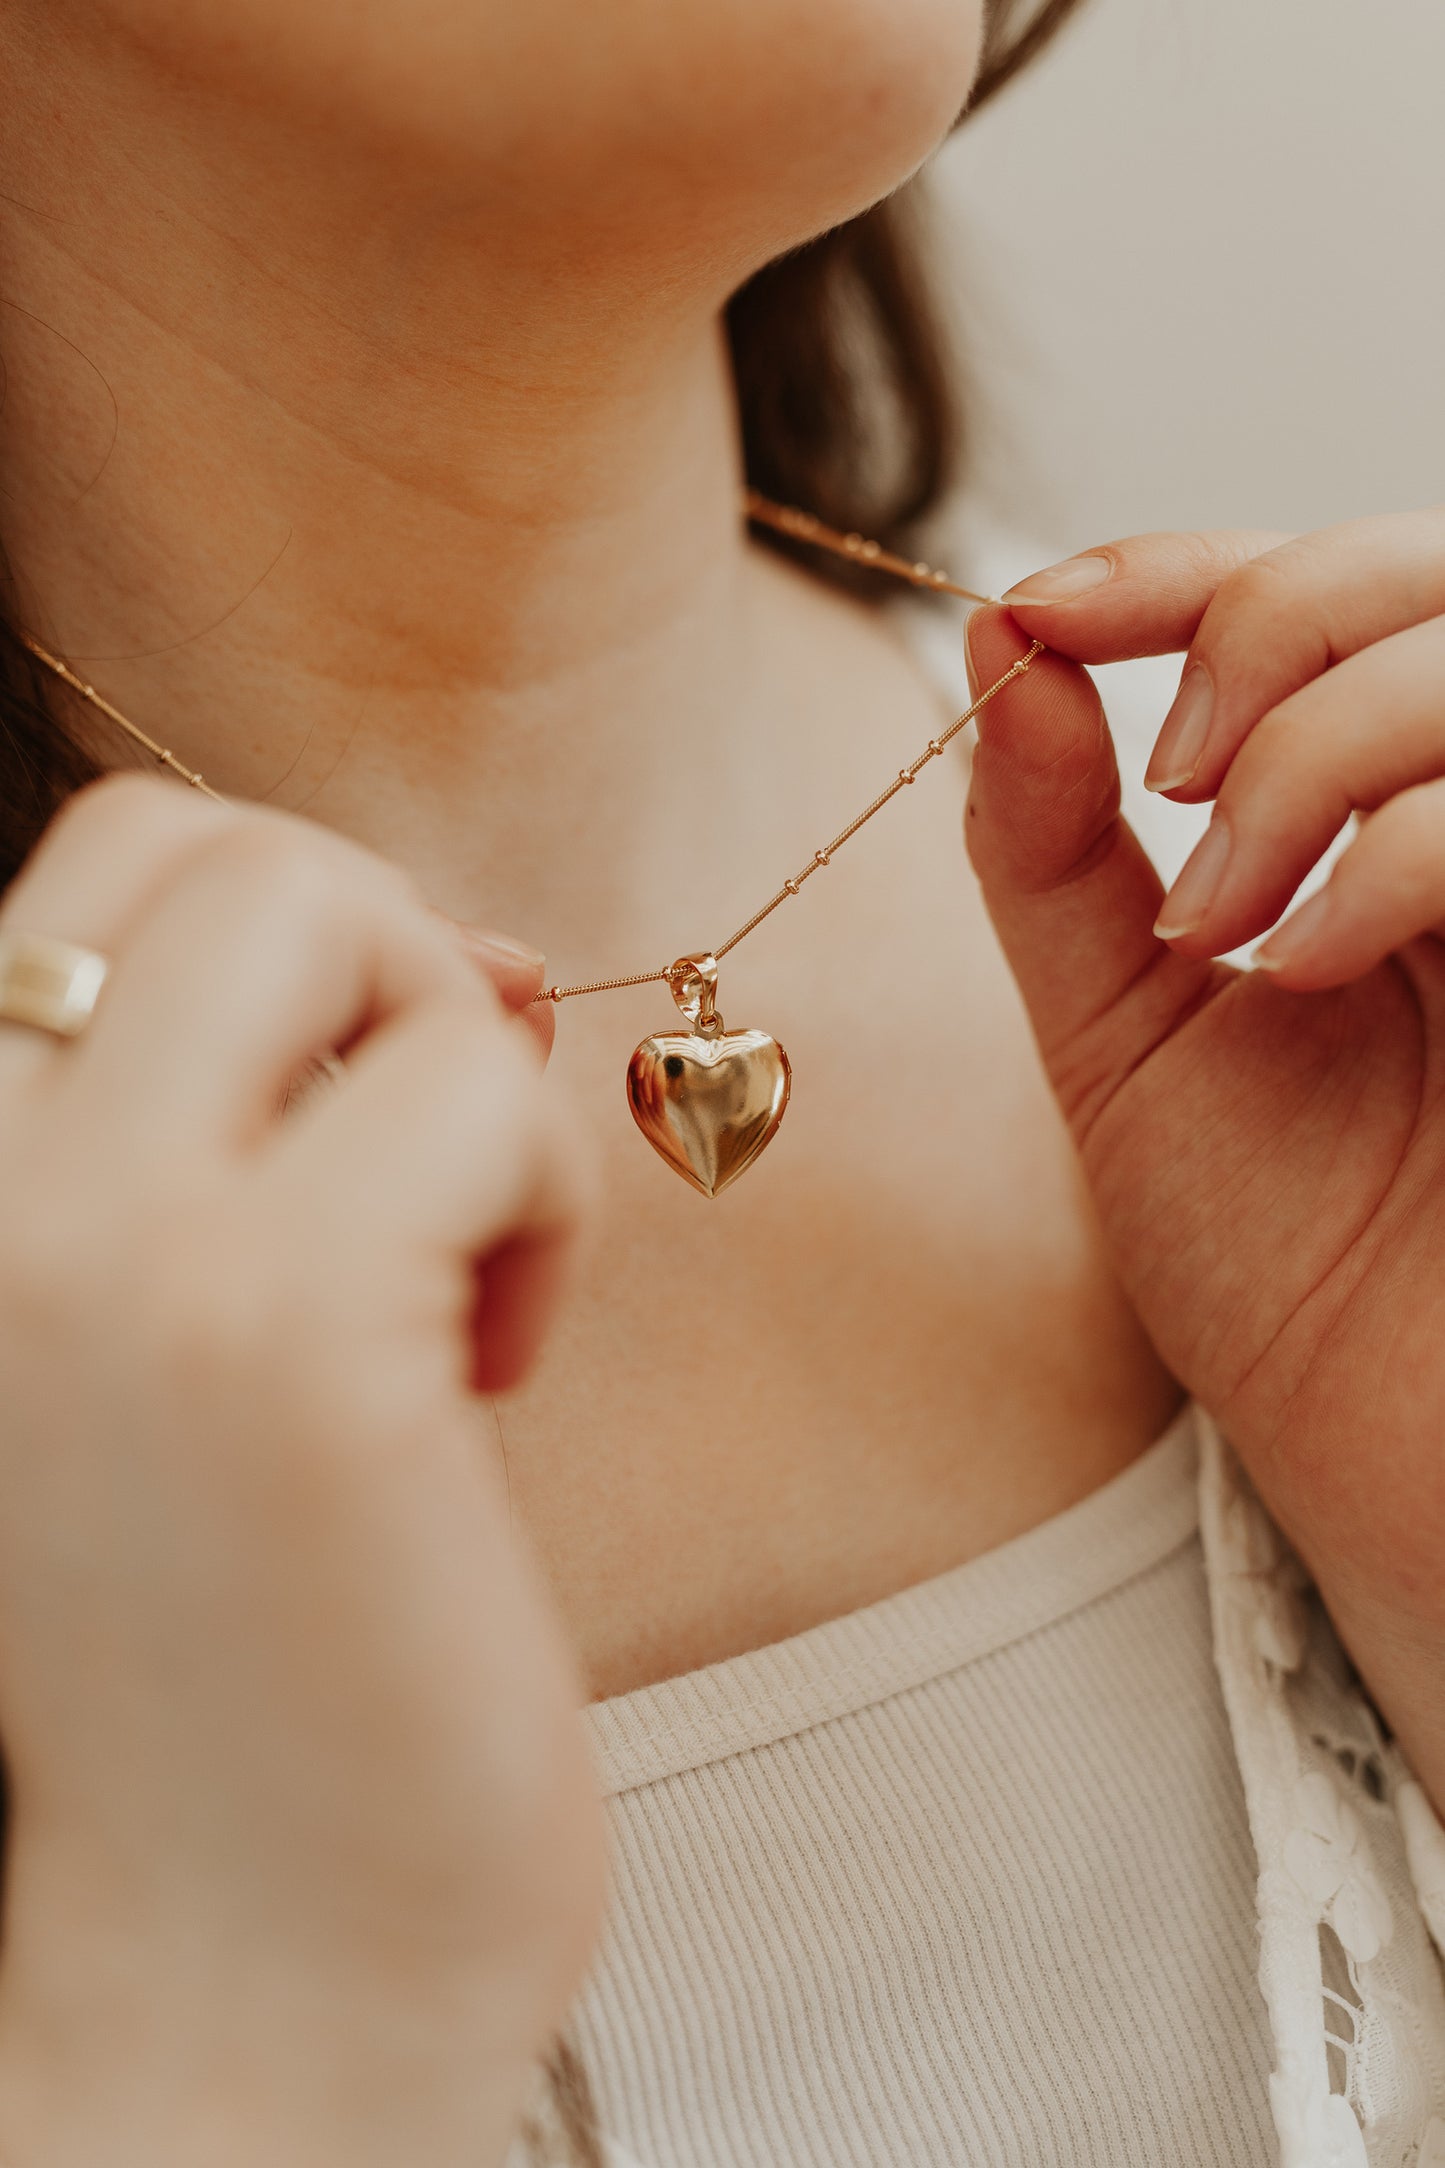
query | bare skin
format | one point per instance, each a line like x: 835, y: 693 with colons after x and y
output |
x: 442, y: 547
x: 368, y: 433
x: 302, y: 1848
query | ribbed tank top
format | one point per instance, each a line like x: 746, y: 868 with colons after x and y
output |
x: 960, y: 1880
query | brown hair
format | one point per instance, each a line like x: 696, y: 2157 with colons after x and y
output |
x: 846, y: 388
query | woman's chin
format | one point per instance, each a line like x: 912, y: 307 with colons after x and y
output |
x: 790, y: 118
x: 714, y: 136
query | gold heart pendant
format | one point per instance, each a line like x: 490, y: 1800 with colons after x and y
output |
x: 708, y: 1101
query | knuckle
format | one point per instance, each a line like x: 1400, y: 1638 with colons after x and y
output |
x: 305, y: 875
x: 1259, y: 588
x: 1266, y: 608
x: 349, y: 862
x: 116, y: 795
x: 113, y: 841
x: 281, y: 865
x: 1288, y: 574
x: 1209, y: 560
x: 392, y: 883
x: 1410, y: 829
x: 1273, y: 742
x: 1200, y: 556
x: 134, y: 803
x: 1287, y: 773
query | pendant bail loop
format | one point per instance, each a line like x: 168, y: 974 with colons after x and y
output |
x: 692, y: 981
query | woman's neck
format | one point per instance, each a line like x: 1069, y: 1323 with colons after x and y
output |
x: 369, y: 510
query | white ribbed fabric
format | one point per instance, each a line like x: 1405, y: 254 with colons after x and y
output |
x: 963, y: 1878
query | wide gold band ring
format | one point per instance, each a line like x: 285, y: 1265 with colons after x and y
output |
x: 50, y: 985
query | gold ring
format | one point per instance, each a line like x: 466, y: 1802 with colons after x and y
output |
x: 50, y: 985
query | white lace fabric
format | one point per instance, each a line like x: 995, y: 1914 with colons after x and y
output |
x: 1351, y: 1859
x: 1349, y: 1855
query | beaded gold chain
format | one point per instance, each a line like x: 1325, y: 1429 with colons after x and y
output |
x: 783, y: 519
x: 707, y: 1100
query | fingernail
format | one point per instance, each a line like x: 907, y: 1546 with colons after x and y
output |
x: 1183, y: 733
x: 1287, y: 944
x: 1060, y: 583
x: 502, y: 946
x: 1188, y: 901
x: 968, y: 662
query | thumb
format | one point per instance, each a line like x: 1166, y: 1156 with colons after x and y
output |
x: 1071, y: 892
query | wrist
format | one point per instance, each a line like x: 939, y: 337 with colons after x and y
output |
x: 69, y: 2109
x: 102, y: 2060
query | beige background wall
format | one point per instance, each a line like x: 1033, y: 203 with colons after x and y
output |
x: 1199, y: 255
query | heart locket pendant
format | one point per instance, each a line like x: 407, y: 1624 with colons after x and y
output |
x: 707, y: 1100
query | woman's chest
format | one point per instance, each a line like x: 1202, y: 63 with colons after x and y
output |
x: 893, y: 1344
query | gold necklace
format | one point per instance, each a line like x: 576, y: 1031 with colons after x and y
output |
x: 708, y: 1100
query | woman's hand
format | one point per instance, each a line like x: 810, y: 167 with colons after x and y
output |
x: 304, y: 1858
x: 1267, y: 1149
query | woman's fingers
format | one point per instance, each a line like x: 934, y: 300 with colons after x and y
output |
x: 275, y: 945
x: 114, y: 849
x: 445, y: 1139
x: 1372, y: 726
x: 1387, y: 889
x: 1070, y: 891
x: 1145, y: 595
x: 517, y: 974
x: 1258, y: 624
x: 237, y: 894
x: 242, y: 943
